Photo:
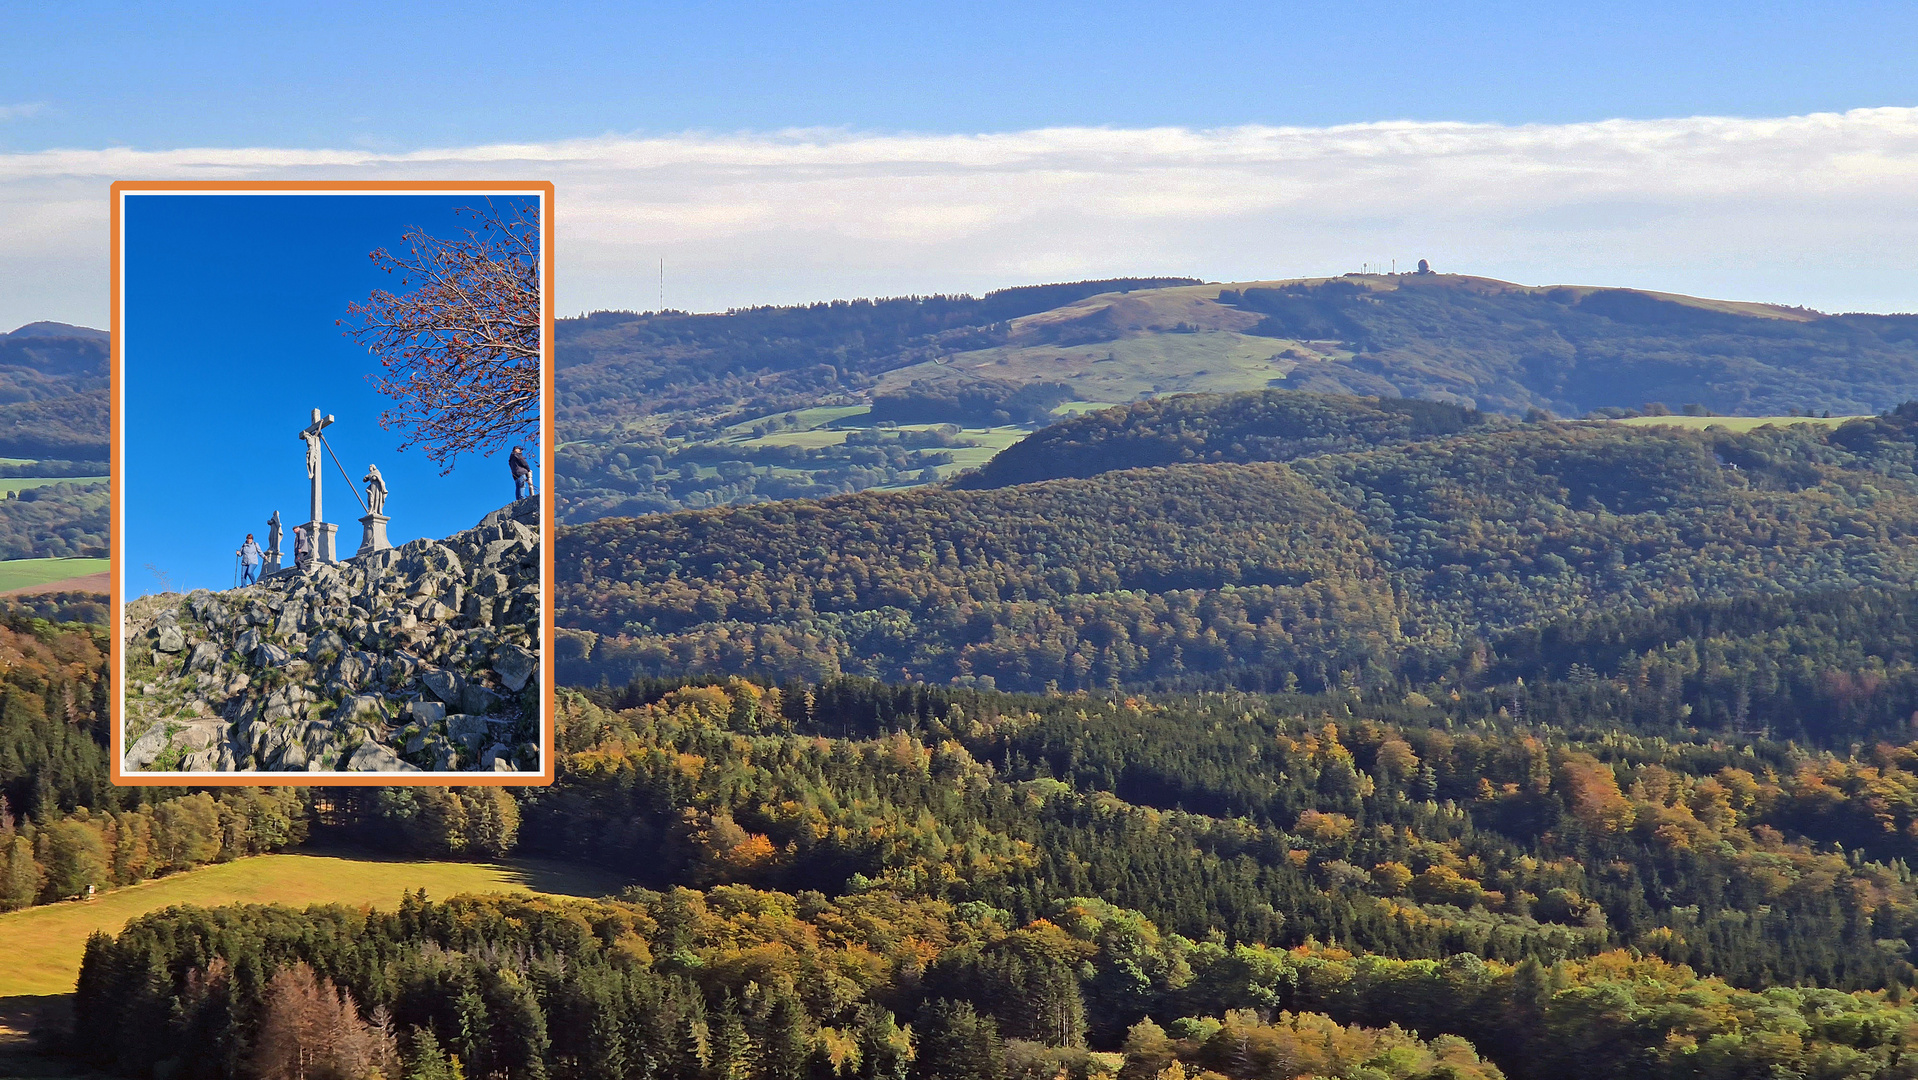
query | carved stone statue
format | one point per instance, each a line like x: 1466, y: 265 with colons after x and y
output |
x: 375, y: 490
x: 272, y: 561
x: 319, y: 532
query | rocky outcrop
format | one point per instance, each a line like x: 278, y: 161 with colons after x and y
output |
x: 420, y: 657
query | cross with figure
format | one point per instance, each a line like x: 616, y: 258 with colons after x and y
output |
x: 318, y: 531
x: 311, y: 436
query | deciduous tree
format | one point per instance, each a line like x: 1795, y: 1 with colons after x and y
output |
x: 460, y: 339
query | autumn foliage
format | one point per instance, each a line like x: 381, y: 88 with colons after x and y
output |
x: 460, y: 338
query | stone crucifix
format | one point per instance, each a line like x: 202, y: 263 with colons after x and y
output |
x: 315, y: 467
x: 318, y: 531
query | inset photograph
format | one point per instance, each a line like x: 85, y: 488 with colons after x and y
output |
x: 329, y: 450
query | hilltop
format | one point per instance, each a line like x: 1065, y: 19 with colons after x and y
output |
x: 1272, y: 425
x: 422, y: 656
x: 669, y: 410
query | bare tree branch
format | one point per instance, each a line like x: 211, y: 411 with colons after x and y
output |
x: 461, y: 349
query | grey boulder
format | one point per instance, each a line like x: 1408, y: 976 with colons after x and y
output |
x: 514, y: 665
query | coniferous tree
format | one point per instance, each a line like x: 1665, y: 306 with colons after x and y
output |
x: 956, y: 1043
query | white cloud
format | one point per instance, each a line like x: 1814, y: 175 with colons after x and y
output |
x: 1820, y: 210
x: 22, y: 110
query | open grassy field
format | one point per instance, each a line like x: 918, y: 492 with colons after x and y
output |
x: 818, y: 416
x: 1131, y: 367
x: 985, y: 443
x: 43, y: 944
x: 1729, y: 423
x: 21, y: 483
x: 21, y: 573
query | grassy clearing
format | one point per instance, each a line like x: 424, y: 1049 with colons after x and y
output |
x: 815, y: 439
x: 1730, y: 423
x: 1080, y: 408
x: 815, y: 417
x: 20, y: 573
x: 1126, y: 369
x: 22, y: 483
x: 986, y: 442
x: 44, y: 944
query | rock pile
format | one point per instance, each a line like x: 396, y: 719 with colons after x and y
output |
x: 421, y: 657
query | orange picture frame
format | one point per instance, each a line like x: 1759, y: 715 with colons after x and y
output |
x: 116, y: 646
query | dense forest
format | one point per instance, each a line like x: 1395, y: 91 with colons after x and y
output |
x: 648, y: 474
x: 63, y: 520
x: 63, y: 825
x: 53, y: 393
x: 1225, y: 737
x: 861, y: 880
x: 1278, y: 425
x: 1345, y: 566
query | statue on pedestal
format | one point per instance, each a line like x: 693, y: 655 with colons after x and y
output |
x: 375, y: 490
x: 374, y: 537
x: 272, y: 545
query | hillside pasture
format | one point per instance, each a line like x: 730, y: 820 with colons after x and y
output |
x: 44, y: 944
x: 1729, y: 423
x: 33, y: 573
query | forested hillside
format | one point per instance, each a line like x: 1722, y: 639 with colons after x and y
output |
x: 853, y: 880
x: 616, y: 366
x: 1277, y: 425
x: 53, y: 392
x: 1336, y: 568
x: 1246, y: 736
x: 665, y: 411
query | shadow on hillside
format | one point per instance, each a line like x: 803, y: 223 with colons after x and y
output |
x: 538, y: 875
x: 22, y: 1055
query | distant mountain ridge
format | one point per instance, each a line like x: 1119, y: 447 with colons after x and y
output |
x: 651, y: 404
x: 57, y: 330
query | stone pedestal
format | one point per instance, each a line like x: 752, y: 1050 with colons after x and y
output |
x: 270, y: 562
x: 374, y: 538
x: 323, y: 533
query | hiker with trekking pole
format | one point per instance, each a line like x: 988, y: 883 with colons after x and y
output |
x: 249, y: 556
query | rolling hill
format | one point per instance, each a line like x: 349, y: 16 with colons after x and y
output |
x: 1327, y: 568
x: 653, y: 406
x: 53, y: 392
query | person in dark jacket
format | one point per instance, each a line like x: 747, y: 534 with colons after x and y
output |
x: 522, y: 473
x: 302, y: 549
x: 249, y: 561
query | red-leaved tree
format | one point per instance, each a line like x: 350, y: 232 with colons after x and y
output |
x: 459, y: 338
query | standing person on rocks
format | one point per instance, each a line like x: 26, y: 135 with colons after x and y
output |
x: 522, y: 473
x: 249, y: 561
x: 302, y: 549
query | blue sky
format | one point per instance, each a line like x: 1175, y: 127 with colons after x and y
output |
x: 387, y: 76
x: 797, y: 152
x: 230, y: 344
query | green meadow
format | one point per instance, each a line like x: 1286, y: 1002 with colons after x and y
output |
x: 21, y: 573
x: 44, y: 944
